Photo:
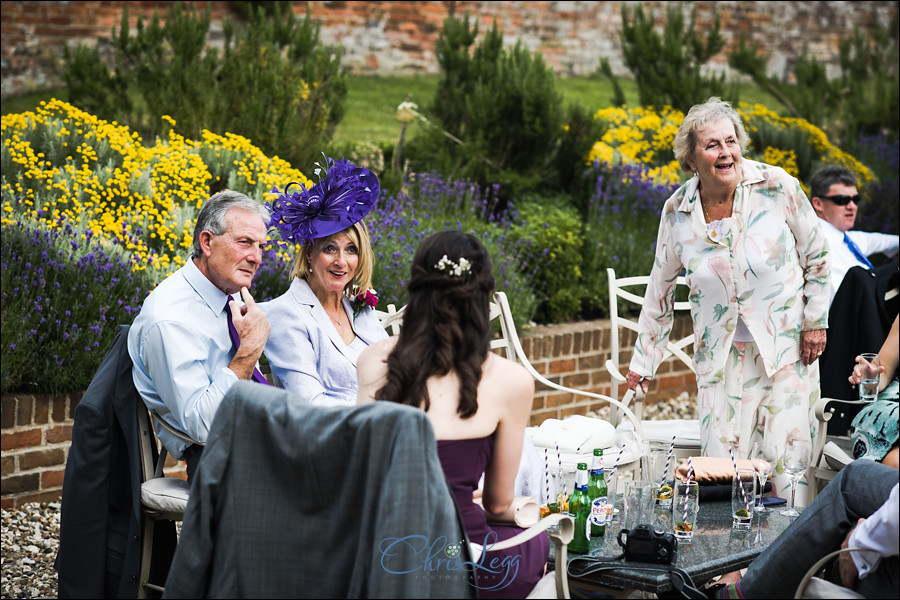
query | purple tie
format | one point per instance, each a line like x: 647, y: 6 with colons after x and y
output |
x: 236, y: 340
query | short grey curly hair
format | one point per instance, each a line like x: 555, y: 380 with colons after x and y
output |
x: 697, y: 118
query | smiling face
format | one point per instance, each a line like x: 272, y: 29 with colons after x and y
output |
x: 230, y: 260
x: 717, y: 155
x: 332, y: 262
x: 842, y: 217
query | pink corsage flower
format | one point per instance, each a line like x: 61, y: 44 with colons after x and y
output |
x: 362, y: 299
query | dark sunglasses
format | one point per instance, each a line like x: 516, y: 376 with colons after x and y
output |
x: 842, y: 200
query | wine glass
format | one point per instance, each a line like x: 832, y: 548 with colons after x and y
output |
x: 795, y: 463
x: 764, y: 458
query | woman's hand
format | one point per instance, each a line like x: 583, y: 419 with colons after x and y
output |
x: 633, y: 380
x: 856, y: 375
x: 812, y: 343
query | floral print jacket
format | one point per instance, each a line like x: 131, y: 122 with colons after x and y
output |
x: 768, y: 263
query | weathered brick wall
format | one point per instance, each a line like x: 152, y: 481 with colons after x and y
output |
x: 399, y: 37
x: 37, y: 429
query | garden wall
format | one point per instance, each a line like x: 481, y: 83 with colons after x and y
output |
x: 37, y: 428
x: 399, y: 37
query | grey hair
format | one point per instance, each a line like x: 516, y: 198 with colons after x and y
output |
x: 824, y: 178
x: 214, y: 211
x: 697, y: 118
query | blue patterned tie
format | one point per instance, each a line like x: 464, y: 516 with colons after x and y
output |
x: 857, y: 252
x: 236, y: 340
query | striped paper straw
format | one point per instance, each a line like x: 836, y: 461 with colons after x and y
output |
x: 662, y: 481
x: 546, y: 477
x: 738, y: 475
x: 559, y: 471
x: 687, y: 491
x: 616, y: 464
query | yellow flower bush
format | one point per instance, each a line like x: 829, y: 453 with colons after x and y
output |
x: 640, y: 136
x: 62, y: 165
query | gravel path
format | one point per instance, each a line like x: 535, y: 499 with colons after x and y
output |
x: 30, y: 536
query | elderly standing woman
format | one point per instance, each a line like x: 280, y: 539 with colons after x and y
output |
x: 326, y: 318
x: 756, y: 262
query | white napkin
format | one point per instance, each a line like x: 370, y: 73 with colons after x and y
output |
x: 575, y: 434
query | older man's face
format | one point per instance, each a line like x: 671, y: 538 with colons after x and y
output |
x: 842, y: 217
x: 234, y: 256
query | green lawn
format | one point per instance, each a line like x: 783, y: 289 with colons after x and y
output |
x: 371, y: 105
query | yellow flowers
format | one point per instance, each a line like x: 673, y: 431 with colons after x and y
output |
x: 639, y: 136
x: 63, y: 165
x: 643, y: 137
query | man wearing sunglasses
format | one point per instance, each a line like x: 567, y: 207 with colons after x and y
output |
x: 836, y: 202
x: 859, y: 316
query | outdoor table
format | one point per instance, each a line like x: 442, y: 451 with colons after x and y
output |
x: 715, y: 549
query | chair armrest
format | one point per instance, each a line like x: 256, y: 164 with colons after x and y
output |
x: 821, y: 565
x: 560, y: 538
x: 613, y: 370
x: 174, y: 432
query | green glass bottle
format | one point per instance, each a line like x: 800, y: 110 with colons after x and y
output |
x: 597, y: 492
x: 580, y: 509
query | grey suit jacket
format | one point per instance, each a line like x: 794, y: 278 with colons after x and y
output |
x: 293, y: 500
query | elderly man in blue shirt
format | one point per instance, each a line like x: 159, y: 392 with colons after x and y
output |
x: 200, y: 331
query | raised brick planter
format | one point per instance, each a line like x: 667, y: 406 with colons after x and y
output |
x: 37, y: 428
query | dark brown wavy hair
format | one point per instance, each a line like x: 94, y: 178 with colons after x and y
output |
x: 446, y: 325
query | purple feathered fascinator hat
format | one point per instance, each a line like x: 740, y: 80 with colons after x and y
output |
x: 344, y: 195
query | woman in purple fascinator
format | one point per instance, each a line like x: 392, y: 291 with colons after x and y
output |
x: 326, y: 318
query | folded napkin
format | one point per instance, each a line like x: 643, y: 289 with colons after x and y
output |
x: 574, y: 435
x: 712, y: 469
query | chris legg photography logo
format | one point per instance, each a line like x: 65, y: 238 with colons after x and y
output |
x: 439, y: 559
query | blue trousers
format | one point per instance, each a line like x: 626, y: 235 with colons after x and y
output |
x: 857, y: 491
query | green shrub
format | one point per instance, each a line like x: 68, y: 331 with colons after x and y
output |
x: 554, y: 229
x: 864, y: 100
x: 500, y: 104
x: 667, y: 68
x: 273, y: 83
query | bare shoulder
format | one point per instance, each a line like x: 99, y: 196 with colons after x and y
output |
x: 371, y: 361
x: 512, y: 378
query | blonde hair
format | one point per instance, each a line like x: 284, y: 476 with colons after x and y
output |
x: 697, y: 118
x: 359, y: 235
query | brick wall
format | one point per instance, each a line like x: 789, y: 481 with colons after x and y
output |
x: 399, y: 37
x: 37, y: 428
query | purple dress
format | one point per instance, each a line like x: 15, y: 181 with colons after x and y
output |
x: 510, y: 573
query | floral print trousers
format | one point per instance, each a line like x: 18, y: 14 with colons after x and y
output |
x: 749, y: 406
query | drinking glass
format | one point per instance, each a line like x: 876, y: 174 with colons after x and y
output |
x: 640, y: 496
x: 795, y: 462
x: 764, y: 458
x: 655, y: 461
x: 743, y: 496
x: 685, y: 506
x: 869, y: 375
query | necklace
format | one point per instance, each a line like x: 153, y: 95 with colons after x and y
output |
x: 706, y: 214
x: 335, y: 319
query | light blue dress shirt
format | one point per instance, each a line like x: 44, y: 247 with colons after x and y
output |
x: 306, y: 353
x: 181, y: 349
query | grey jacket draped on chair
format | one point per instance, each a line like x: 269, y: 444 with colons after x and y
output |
x: 293, y: 500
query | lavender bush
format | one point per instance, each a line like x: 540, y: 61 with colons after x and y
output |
x: 429, y: 203
x: 621, y: 225
x: 881, y: 211
x: 63, y: 294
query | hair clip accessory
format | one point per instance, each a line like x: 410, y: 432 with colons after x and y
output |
x: 454, y: 269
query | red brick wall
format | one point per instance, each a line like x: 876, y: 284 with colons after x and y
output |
x: 36, y: 429
x: 398, y: 37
